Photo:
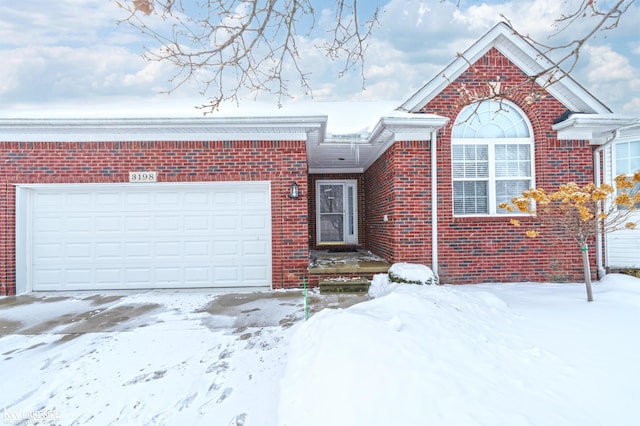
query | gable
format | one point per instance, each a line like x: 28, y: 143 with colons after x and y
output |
x: 520, y: 53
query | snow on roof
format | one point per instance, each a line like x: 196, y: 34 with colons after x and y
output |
x: 344, y: 117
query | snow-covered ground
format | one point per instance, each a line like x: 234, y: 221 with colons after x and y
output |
x: 490, y: 354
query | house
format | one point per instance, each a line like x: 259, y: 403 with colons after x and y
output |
x: 243, y: 201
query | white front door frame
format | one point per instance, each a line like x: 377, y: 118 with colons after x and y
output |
x: 346, y: 212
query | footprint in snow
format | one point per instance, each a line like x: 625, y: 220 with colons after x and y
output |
x: 225, y: 354
x: 217, y: 367
x: 238, y: 420
x: 185, y: 403
x: 224, y: 395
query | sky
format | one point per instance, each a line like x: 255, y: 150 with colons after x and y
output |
x: 73, y: 55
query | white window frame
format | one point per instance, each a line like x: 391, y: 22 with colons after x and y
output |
x: 616, y: 155
x: 492, y: 180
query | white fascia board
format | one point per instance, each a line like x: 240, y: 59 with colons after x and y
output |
x: 328, y: 170
x: 523, y: 55
x: 593, y: 127
x: 417, y: 125
x: 287, y: 128
x: 458, y: 66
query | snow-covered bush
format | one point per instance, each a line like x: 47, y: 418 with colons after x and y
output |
x: 411, y: 273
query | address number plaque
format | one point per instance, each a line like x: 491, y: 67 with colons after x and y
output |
x: 142, y: 177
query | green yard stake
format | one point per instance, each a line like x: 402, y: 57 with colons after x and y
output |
x: 306, y: 300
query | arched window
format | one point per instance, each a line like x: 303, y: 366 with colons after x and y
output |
x: 491, y: 157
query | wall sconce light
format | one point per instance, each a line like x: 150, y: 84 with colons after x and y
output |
x: 294, y: 191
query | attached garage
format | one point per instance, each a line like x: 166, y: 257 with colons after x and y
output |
x: 142, y: 236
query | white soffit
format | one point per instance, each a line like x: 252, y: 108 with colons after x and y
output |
x: 287, y: 128
x: 597, y: 128
x: 524, y: 55
x: 356, y: 154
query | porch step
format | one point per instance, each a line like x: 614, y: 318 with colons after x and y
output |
x: 344, y: 285
x: 360, y: 262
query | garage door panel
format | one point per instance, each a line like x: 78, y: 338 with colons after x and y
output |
x: 199, y: 223
x: 79, y: 251
x: 138, y: 223
x: 257, y: 199
x: 108, y: 250
x: 137, y: 198
x: 258, y: 248
x: 225, y: 248
x: 107, y: 224
x: 168, y: 223
x: 226, y: 198
x: 164, y: 249
x: 197, y: 199
x: 154, y: 236
x: 78, y: 276
x: 225, y: 223
x: 108, y: 277
x: 255, y: 222
x: 255, y: 273
x: 108, y: 200
x: 48, y: 251
x: 197, y: 249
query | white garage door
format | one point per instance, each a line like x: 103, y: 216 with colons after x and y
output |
x: 149, y: 236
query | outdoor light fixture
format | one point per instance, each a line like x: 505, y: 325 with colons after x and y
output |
x: 294, y: 192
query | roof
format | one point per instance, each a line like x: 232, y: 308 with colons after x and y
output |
x: 326, y: 152
x: 525, y: 56
x: 162, y: 129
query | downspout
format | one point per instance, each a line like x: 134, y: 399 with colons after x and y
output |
x: 602, y: 271
x: 434, y: 203
x: 599, y: 261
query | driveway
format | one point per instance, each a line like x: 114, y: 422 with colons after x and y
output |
x: 152, y: 357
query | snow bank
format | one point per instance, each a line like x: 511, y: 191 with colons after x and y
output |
x: 470, y: 355
x: 412, y: 273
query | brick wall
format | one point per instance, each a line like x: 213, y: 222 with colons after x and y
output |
x: 475, y: 249
x: 490, y: 249
x: 109, y: 162
x: 379, y: 193
x: 398, y: 186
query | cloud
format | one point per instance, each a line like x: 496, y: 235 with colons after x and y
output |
x: 74, y: 50
x: 57, y: 72
x: 610, y: 76
x: 606, y: 65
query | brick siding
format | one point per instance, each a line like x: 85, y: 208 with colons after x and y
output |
x: 109, y: 162
x: 472, y: 250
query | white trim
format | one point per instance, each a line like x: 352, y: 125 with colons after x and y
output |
x: 491, y: 161
x: 524, y: 55
x: 286, y: 128
x: 321, y: 171
x: 597, y: 128
x: 23, y: 252
x: 346, y: 184
x: 434, y: 202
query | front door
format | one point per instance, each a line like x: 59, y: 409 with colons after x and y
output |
x: 336, y: 206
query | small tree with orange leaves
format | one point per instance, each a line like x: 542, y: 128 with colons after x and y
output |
x: 581, y: 212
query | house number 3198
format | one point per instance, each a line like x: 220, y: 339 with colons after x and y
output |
x: 143, y: 176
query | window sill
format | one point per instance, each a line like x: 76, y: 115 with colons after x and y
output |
x: 494, y: 218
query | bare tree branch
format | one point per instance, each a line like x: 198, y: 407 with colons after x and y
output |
x: 229, y: 46
x: 606, y: 19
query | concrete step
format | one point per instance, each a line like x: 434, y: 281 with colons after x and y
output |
x: 344, y: 285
